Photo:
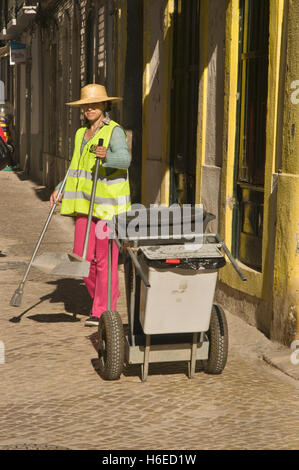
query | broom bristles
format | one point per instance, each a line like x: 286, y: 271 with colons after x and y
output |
x: 16, y: 299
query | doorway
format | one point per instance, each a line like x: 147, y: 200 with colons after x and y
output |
x: 184, y: 101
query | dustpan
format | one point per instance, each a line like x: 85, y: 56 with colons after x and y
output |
x: 70, y: 264
x: 62, y: 264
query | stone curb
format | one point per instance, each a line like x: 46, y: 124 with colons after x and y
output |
x: 282, y: 361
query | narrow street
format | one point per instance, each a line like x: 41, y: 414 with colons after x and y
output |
x: 52, y: 395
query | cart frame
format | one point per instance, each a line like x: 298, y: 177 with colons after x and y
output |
x: 145, y: 351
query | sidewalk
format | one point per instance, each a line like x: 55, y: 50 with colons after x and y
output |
x: 26, y: 210
x: 53, y: 397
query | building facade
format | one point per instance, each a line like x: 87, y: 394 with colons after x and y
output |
x: 68, y: 44
x: 210, y: 107
x: 220, y: 83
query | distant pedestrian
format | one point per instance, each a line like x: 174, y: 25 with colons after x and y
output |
x: 112, y: 191
x: 2, y: 135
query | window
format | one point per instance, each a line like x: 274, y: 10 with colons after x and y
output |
x: 251, y: 148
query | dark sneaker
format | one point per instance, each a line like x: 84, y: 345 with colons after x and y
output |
x: 92, y: 321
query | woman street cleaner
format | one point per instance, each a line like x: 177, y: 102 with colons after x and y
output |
x: 112, y: 191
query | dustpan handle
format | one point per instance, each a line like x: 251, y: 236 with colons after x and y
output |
x: 92, y: 199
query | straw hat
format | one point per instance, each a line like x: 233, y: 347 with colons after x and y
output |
x: 93, y: 93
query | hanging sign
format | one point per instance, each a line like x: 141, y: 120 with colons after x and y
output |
x: 17, y: 53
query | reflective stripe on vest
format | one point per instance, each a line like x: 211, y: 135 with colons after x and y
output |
x: 113, y: 189
x: 117, y: 201
x: 114, y: 179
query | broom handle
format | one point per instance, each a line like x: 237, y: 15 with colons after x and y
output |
x: 92, y: 199
x: 45, y: 228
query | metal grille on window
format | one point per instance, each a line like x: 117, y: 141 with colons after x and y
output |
x: 250, y: 164
x: 184, y: 101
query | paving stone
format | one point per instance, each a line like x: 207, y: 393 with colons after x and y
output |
x: 52, y: 396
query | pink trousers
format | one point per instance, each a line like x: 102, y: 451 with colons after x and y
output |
x: 97, y: 254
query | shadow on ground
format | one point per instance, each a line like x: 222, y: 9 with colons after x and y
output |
x: 134, y: 370
x: 71, y: 292
x: 53, y: 317
x: 43, y: 193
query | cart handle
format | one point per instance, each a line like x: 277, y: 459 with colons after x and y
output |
x: 138, y: 267
x: 227, y: 252
x: 134, y: 259
x: 205, y: 235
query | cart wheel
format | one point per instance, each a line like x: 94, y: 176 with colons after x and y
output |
x: 218, y: 338
x: 111, y: 345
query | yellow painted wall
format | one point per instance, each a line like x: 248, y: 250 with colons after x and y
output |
x: 230, y: 104
x: 286, y: 267
x: 286, y: 262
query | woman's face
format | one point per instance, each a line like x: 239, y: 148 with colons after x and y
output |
x: 94, y: 111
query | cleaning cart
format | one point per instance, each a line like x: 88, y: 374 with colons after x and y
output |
x: 170, y: 287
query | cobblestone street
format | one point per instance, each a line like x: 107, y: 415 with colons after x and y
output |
x: 50, y: 388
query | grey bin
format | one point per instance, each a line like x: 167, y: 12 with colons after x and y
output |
x: 183, y: 281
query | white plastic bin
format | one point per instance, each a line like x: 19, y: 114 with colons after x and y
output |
x: 179, y: 300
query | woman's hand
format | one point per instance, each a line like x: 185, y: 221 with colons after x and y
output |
x: 53, y: 197
x: 101, y: 152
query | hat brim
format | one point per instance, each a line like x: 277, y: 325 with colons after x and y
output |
x: 93, y: 100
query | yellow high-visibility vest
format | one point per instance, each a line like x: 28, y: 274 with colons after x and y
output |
x: 113, y: 190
